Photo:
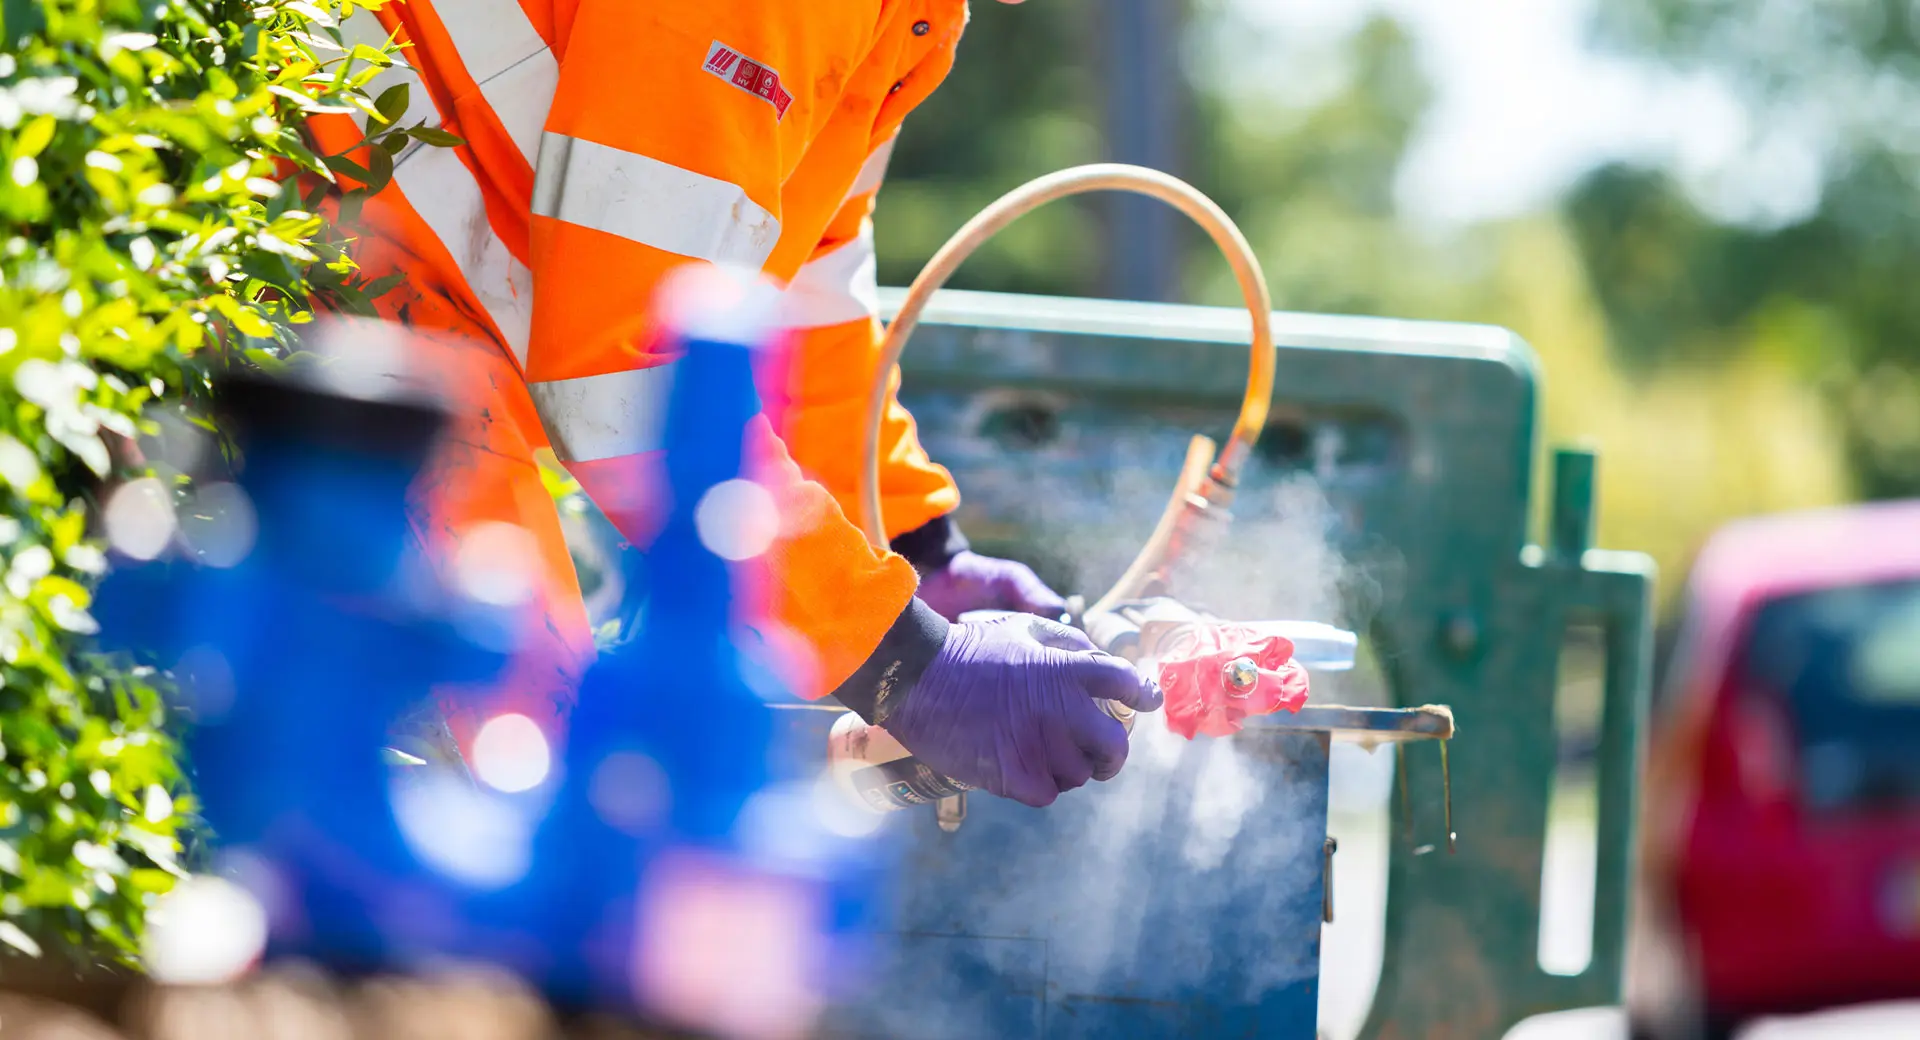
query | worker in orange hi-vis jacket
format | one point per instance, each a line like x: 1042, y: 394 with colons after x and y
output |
x: 604, y: 144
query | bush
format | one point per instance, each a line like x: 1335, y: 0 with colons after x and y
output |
x: 159, y: 215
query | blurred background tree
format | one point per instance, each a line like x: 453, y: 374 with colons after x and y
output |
x: 1727, y: 357
x: 1020, y: 103
x: 1830, y: 291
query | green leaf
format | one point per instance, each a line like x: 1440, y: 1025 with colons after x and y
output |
x: 322, y: 277
x: 308, y: 103
x: 147, y: 879
x: 310, y: 12
x: 243, y: 317
x: 342, y: 164
x: 34, y: 137
x: 380, y: 166
x: 355, y: 301
x: 20, y: 19
x: 299, y: 153
x: 159, y: 848
x: 318, y: 192
x: 392, y: 103
x: 381, y: 286
x: 270, y: 270
x: 433, y: 135
x: 54, y: 585
x: 67, y: 530
x: 370, y: 55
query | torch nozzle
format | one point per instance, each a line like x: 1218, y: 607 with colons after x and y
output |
x: 1242, y: 675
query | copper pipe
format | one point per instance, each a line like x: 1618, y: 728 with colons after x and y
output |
x: 1194, y: 494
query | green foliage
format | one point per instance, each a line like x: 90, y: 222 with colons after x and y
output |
x: 1685, y: 447
x: 1312, y: 187
x: 161, y: 216
x: 1828, y: 293
x: 1021, y: 101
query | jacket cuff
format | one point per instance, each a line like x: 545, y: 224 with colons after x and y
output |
x: 930, y: 546
x: 881, y: 684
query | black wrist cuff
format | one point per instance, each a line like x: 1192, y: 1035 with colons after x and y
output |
x: 932, y: 545
x: 896, y: 665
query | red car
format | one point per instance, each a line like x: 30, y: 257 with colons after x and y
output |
x: 1782, y: 838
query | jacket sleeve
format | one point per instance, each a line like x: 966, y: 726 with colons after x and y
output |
x: 626, y: 189
x: 836, y: 311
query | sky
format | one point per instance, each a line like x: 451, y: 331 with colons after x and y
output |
x: 1525, y: 105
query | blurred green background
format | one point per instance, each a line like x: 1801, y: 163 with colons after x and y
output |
x: 1701, y: 214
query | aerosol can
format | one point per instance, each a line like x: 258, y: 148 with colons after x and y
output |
x: 873, y: 769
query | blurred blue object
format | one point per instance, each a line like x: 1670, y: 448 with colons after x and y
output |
x: 686, y: 863
x: 673, y: 861
x: 296, y: 660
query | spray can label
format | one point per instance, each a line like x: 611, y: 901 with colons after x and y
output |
x: 902, y: 784
x: 879, y: 773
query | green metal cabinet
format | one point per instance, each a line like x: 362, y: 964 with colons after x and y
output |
x: 1398, y: 469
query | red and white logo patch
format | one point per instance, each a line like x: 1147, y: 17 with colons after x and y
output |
x: 749, y: 75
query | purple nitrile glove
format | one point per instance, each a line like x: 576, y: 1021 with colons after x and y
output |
x: 1008, y: 706
x: 970, y: 581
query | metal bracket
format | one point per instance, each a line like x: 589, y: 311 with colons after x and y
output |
x: 1326, y: 880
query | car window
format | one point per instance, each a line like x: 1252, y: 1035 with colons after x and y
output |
x: 1885, y: 668
x: 1845, y: 662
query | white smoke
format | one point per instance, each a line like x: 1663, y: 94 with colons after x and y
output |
x: 1136, y: 872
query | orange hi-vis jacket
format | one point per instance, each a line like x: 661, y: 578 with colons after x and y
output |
x: 605, y: 143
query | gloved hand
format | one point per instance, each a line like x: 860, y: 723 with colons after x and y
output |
x: 1008, y: 706
x: 970, y: 581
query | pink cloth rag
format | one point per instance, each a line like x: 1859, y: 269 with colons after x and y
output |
x: 1200, y: 699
